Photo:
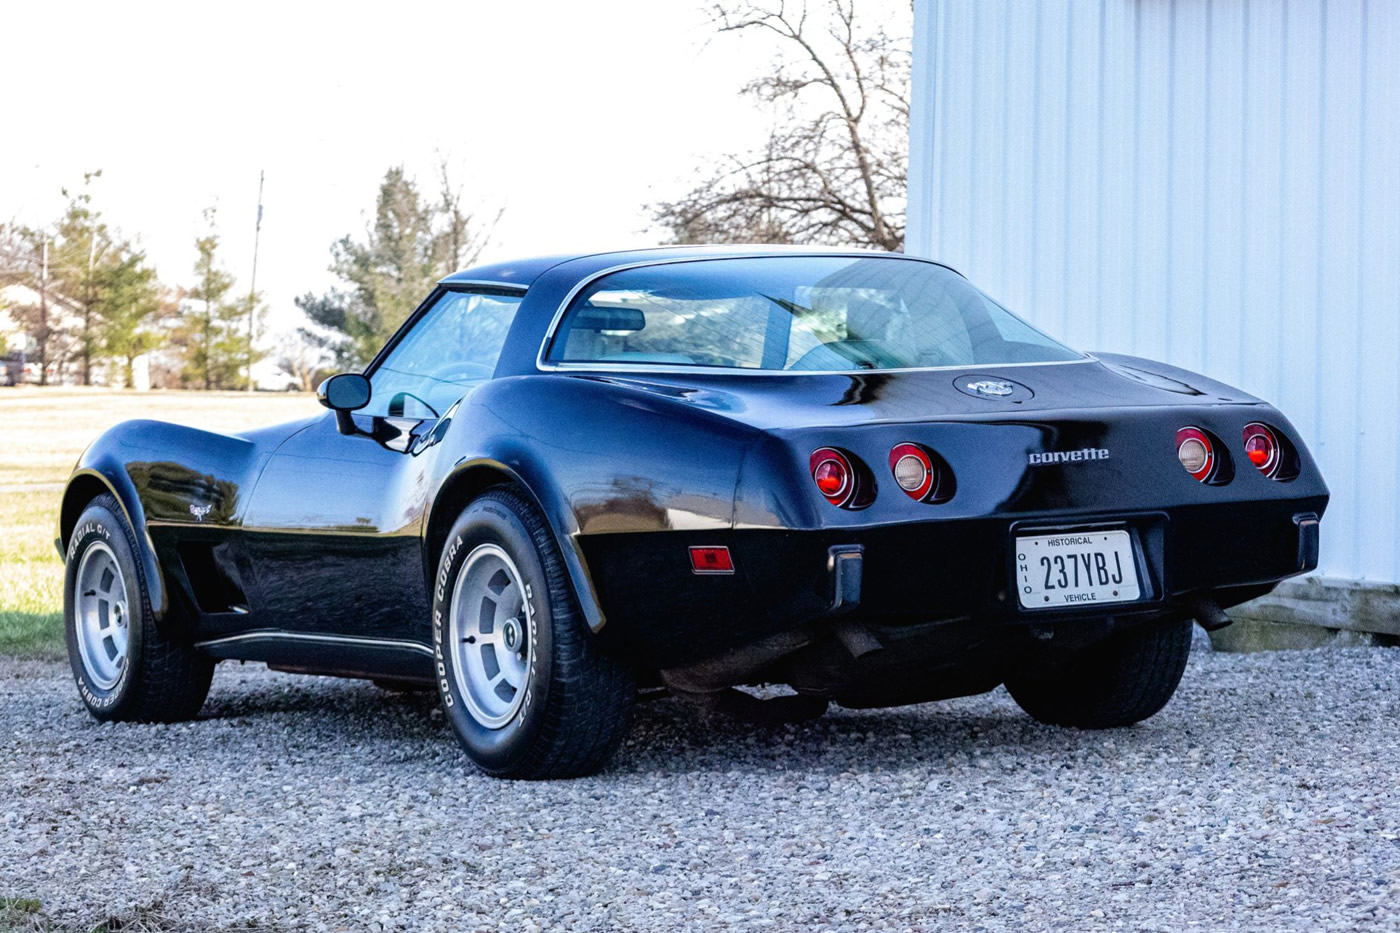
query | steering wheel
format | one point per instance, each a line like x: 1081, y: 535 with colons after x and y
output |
x: 457, y: 373
x: 396, y: 404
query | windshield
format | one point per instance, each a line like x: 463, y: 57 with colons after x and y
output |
x: 795, y: 313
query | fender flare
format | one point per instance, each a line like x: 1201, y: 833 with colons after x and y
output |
x: 470, y: 475
x: 87, y: 483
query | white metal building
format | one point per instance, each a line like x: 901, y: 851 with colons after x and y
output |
x: 1214, y: 183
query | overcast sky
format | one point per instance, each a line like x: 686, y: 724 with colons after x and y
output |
x: 571, y: 115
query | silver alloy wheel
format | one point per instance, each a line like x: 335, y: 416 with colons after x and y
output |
x: 102, y: 615
x: 490, y: 633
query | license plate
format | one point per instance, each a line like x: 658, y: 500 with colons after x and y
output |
x: 1076, y: 568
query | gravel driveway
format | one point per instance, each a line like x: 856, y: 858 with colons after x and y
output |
x: 1264, y: 797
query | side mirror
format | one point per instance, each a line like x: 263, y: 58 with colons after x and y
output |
x: 342, y: 394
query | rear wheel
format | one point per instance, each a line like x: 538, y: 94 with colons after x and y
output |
x: 124, y: 668
x: 1123, y: 679
x: 521, y: 679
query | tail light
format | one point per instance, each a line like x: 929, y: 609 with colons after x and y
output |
x: 711, y: 560
x: 913, y: 470
x: 1261, y: 448
x: 1196, y: 453
x: 835, y: 477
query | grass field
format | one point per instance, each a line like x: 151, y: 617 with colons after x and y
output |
x: 42, y: 432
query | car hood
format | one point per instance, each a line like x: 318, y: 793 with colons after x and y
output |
x: 783, y: 401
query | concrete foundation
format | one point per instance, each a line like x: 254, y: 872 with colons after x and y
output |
x: 1313, y: 612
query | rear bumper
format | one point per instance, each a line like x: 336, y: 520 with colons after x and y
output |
x: 910, y: 574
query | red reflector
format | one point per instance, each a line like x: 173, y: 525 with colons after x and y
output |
x: 711, y: 560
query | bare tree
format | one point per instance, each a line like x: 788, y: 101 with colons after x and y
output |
x: 12, y: 249
x: 834, y: 168
x: 462, y: 236
x: 24, y: 260
x: 307, y: 361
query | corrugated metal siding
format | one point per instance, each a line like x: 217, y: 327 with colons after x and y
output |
x: 1214, y: 184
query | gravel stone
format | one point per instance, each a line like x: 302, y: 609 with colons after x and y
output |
x: 1263, y: 798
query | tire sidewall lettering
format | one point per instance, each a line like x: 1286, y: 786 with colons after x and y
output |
x: 530, y: 614
x: 495, y: 523
x: 445, y: 572
x: 101, y: 700
x: 448, y: 569
x: 81, y: 535
x: 439, y: 660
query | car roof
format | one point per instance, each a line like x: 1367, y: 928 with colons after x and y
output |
x: 547, y: 282
x: 523, y: 272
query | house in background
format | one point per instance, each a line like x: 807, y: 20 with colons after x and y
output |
x: 20, y: 353
x: 1212, y: 183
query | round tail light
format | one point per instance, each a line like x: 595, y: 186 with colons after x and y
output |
x: 1194, y: 450
x: 1261, y: 448
x: 913, y: 470
x: 834, y: 476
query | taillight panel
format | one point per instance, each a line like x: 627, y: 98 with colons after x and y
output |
x: 1264, y: 447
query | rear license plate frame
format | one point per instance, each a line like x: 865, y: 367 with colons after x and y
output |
x: 1148, y: 533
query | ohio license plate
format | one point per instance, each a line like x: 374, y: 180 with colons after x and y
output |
x: 1075, y: 568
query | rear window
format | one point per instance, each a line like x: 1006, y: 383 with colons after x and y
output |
x: 795, y: 313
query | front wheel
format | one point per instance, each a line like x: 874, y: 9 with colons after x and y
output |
x: 1121, y: 680
x: 125, y: 669
x: 521, y: 679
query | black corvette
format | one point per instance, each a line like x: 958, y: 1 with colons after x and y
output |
x: 567, y: 479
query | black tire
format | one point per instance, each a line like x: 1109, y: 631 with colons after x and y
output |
x: 159, y: 680
x: 577, y: 701
x: 1124, y: 679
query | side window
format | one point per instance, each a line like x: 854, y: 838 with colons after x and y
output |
x: 452, y: 349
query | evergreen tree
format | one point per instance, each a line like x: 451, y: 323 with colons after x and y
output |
x: 88, y: 266
x: 132, y: 304
x: 83, y: 264
x: 409, y: 246
x: 212, y: 334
